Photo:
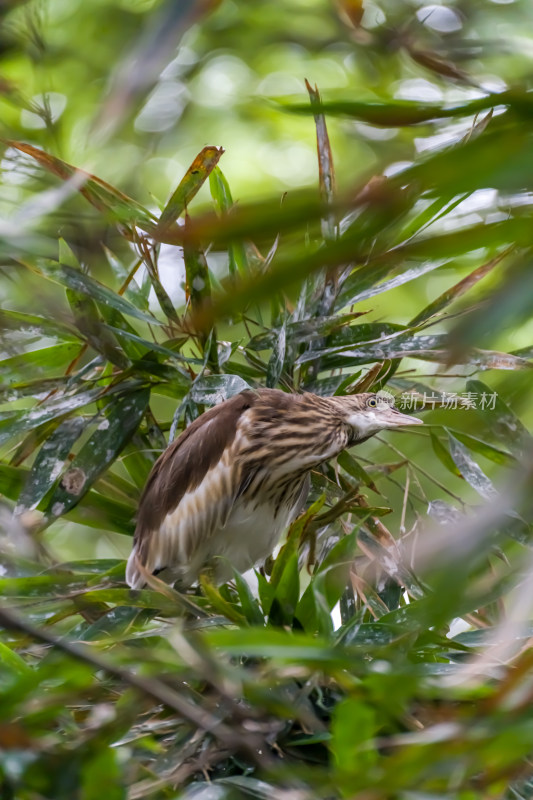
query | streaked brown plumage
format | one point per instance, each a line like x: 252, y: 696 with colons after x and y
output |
x: 223, y: 492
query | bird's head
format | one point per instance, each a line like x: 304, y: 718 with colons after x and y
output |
x: 368, y: 414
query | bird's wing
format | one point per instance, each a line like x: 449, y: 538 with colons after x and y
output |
x: 189, y: 494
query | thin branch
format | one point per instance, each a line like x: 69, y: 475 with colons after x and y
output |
x: 420, y: 469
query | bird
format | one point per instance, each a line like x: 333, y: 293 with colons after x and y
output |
x: 220, y: 496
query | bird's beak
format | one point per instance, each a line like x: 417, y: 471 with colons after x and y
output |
x: 395, y: 419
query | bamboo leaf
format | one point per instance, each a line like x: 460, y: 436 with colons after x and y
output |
x: 365, y: 283
x: 353, y: 728
x: 90, y: 325
x: 11, y: 661
x: 18, y: 320
x: 249, y: 604
x: 80, y: 282
x: 198, y: 291
x: 45, y: 360
x: 16, y: 422
x: 50, y: 460
x: 459, y: 289
x: 304, y: 330
x: 497, y: 309
x: 12, y: 480
x: 277, y: 359
x: 213, y: 389
x: 294, y: 538
x: 200, y: 169
x: 327, y: 586
x: 285, y: 599
x: 121, y: 419
x: 100, y: 194
x: 219, y: 603
x: 221, y: 194
x: 399, y: 113
x: 326, y: 169
x: 104, y: 513
x: 443, y: 455
x: 470, y: 470
x: 354, y: 468
x: 501, y: 420
x: 484, y: 448
x: 426, y: 348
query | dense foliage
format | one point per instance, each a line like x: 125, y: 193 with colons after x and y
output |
x: 385, y: 651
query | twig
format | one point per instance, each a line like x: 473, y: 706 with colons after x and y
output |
x: 404, y: 505
x: 420, y: 469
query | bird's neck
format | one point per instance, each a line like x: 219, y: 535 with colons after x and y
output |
x: 297, y: 438
x: 341, y: 415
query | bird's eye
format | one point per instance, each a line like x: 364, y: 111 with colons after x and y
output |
x: 372, y: 402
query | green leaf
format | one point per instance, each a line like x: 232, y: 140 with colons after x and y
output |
x: 286, y: 594
x: 80, y: 282
x: 350, y: 464
x: 121, y: 419
x: 307, y: 330
x: 294, y: 538
x: 470, y: 470
x: 213, y: 389
x: 219, y: 603
x: 33, y: 388
x: 484, y: 448
x: 102, y: 769
x: 424, y: 347
x: 50, y: 460
x: 149, y: 348
x: 327, y: 586
x: 221, y: 194
x: 266, y: 592
x: 396, y: 113
x: 249, y: 604
x: 44, y: 361
x: 220, y: 191
x: 457, y: 291
x: 326, y: 169
x: 12, y: 479
x: 500, y: 419
x: 277, y: 359
x: 198, y: 291
x: 334, y: 568
x: 508, y: 306
x: 46, y: 585
x: 100, y: 194
x: 116, y: 324
x: 281, y: 645
x: 20, y: 421
x: 104, y: 513
x: 17, y: 320
x: 11, y: 661
x: 189, y: 185
x: 90, y: 325
x: 353, y: 729
x: 138, y: 458
x: 443, y: 454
